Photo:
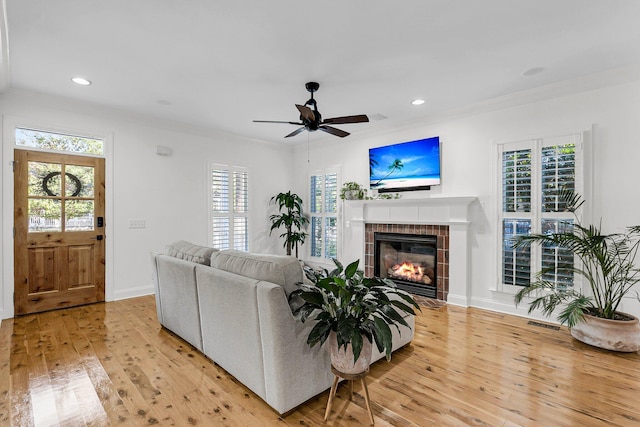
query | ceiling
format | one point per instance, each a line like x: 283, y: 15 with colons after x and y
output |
x: 221, y: 64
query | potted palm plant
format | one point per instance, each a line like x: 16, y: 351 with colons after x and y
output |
x: 291, y: 219
x: 352, y: 311
x: 606, y: 263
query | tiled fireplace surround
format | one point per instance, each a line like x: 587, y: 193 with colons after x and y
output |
x: 448, y: 218
x: 440, y: 231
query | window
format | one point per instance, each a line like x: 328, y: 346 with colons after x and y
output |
x: 532, y: 175
x: 58, y: 142
x: 323, y: 208
x: 229, y: 208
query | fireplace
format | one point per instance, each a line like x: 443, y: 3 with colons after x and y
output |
x: 431, y: 246
x: 409, y: 260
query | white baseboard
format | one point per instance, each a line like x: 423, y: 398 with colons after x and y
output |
x: 506, y: 307
x: 460, y: 300
x: 510, y: 308
x: 133, y: 292
x: 6, y: 313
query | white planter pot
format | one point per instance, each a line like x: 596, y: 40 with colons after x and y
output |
x: 342, y: 359
x: 352, y: 194
x: 616, y: 335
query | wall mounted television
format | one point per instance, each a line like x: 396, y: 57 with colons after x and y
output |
x: 406, y: 166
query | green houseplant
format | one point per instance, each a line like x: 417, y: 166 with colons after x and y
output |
x: 355, y: 308
x: 352, y: 191
x: 605, y: 261
x: 291, y: 219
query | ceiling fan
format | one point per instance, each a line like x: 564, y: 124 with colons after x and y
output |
x: 311, y: 120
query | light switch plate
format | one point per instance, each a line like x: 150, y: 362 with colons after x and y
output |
x: 137, y: 223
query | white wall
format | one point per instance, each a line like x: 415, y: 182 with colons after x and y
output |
x: 469, y: 156
x: 169, y: 193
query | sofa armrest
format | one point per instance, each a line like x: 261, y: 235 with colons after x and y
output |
x: 156, y: 285
x: 296, y: 371
x: 177, y: 298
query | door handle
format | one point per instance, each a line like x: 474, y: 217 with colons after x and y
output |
x: 98, y: 237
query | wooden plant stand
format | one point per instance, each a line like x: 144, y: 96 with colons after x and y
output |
x: 349, y: 377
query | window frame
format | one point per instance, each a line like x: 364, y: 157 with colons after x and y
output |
x: 63, y: 133
x: 536, y: 216
x: 231, y: 214
x: 324, y: 215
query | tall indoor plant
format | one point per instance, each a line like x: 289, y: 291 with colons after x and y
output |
x: 605, y: 261
x: 291, y: 219
x: 353, y: 309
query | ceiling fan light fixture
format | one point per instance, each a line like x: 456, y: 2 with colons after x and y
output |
x: 80, y: 81
x: 311, y: 120
x: 417, y: 101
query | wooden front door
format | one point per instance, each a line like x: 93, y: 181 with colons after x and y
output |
x: 59, y: 231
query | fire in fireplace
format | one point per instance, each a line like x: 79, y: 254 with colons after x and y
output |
x: 409, y: 260
x: 410, y: 272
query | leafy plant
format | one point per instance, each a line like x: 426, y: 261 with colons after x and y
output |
x: 353, y: 306
x: 607, y: 263
x: 352, y: 186
x: 362, y: 193
x: 291, y: 219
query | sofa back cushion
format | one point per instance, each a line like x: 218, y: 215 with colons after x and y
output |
x: 190, y: 252
x: 279, y: 269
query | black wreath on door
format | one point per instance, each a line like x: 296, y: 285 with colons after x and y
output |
x: 72, y: 177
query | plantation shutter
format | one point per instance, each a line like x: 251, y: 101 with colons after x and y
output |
x: 516, y: 197
x: 516, y: 181
x: 230, y: 208
x: 315, y: 207
x: 240, y: 210
x: 558, y: 167
x: 323, y: 208
x: 557, y: 173
x: 331, y: 217
x: 533, y: 175
x: 220, y: 208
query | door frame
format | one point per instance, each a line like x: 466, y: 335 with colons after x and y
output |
x: 9, y: 123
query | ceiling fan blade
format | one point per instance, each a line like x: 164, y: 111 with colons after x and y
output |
x: 361, y: 118
x: 306, y: 112
x: 275, y: 121
x: 333, y: 131
x: 295, y: 132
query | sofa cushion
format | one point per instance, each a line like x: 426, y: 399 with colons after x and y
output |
x: 190, y: 252
x: 282, y: 270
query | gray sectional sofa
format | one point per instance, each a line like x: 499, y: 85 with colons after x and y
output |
x: 232, y: 306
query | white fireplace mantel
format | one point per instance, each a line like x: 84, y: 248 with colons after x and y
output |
x: 451, y: 211
x: 434, y: 210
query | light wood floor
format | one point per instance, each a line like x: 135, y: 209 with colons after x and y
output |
x: 112, y: 364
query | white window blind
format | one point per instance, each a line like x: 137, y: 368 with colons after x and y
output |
x: 229, y: 208
x: 533, y: 174
x: 516, y: 181
x: 323, y: 208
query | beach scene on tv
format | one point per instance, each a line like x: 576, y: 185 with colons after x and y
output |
x: 405, y: 166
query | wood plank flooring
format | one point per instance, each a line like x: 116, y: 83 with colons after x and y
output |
x: 112, y: 364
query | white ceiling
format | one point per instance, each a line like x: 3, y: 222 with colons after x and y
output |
x: 221, y: 64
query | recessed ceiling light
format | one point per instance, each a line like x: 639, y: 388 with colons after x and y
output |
x: 417, y: 102
x: 532, y: 71
x: 81, y: 81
